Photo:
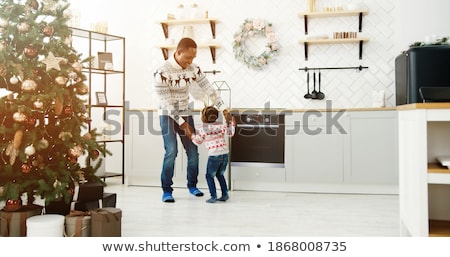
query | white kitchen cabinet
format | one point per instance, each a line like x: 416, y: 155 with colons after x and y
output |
x: 424, y: 185
x: 145, y: 152
x: 372, y: 149
x: 325, y: 152
x: 317, y: 150
x: 347, y: 152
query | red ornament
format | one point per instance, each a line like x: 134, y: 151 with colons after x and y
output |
x: 25, y: 168
x: 34, y: 4
x: 48, y: 30
x: 72, y: 159
x: 30, y: 51
x: 95, y: 154
x: 68, y: 110
x: 13, y: 205
x: 31, y: 121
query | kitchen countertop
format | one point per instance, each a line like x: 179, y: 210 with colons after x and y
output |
x: 424, y: 106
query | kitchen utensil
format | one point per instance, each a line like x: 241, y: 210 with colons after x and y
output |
x: 307, y: 95
x: 320, y: 95
x: 314, y: 92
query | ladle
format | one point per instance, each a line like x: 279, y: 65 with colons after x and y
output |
x: 307, y: 95
x: 314, y: 92
x: 320, y: 95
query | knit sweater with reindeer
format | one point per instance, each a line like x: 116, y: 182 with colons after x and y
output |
x: 173, y: 85
x: 214, y: 135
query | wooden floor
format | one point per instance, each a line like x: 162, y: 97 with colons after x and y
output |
x: 250, y: 213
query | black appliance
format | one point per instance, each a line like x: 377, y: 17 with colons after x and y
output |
x: 426, y: 67
x: 258, y: 141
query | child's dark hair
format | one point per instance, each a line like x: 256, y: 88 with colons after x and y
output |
x: 209, y: 114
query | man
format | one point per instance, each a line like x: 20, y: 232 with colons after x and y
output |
x: 175, y: 81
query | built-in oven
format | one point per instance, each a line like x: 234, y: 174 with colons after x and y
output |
x: 258, y: 141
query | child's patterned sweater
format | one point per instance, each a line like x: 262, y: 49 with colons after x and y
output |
x: 214, y: 136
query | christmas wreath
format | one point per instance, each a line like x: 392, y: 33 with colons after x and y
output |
x: 251, y: 28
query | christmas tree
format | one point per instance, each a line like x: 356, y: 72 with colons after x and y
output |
x: 44, y: 122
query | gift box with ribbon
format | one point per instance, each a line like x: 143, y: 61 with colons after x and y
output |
x: 13, y: 223
x: 91, y: 193
x: 106, y: 222
x: 78, y: 224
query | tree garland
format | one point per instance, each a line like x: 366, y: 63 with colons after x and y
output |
x: 250, y: 28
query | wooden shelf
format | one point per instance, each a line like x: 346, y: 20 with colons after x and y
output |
x: 334, y: 41
x: 166, y: 23
x: 212, y: 47
x: 306, y: 15
x: 308, y: 42
x: 334, y: 13
x: 438, y: 168
x: 439, y: 228
x: 438, y: 174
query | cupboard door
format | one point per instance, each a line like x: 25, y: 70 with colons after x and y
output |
x: 372, y: 147
x: 318, y: 158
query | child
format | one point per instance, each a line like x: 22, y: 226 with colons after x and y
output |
x: 214, y: 133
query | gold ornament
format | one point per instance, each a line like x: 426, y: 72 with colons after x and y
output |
x: 64, y: 136
x: 82, y: 89
x: 61, y: 80
x: 19, y: 117
x: 13, y: 80
x: 43, y: 143
x: 30, y: 150
x: 23, y: 27
x: 12, y: 150
x: 77, y: 66
x: 3, y: 23
x: 76, y: 151
x: 57, y: 183
x: 38, y: 104
x: 29, y: 85
x: 52, y: 62
x: 58, y: 105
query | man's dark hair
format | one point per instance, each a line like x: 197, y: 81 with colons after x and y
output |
x: 186, y: 43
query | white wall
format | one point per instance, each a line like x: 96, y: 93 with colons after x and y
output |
x: 391, y: 26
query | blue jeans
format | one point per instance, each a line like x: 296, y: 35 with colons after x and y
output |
x: 216, y: 167
x: 170, y: 129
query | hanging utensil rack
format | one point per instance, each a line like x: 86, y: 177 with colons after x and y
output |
x: 359, y: 68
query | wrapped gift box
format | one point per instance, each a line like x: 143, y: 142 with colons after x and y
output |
x: 78, y: 224
x: 63, y: 208
x: 108, y: 200
x: 106, y: 222
x: 87, y: 192
x: 13, y: 224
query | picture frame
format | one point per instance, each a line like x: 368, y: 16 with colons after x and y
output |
x: 105, y: 60
x: 101, y: 98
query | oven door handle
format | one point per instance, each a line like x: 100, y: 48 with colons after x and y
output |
x: 257, y: 126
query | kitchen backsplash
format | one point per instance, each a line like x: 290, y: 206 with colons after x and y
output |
x: 281, y: 83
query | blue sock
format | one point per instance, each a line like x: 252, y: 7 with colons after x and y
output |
x: 167, y: 197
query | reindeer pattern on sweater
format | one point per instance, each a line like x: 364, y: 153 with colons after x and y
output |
x: 174, y: 84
